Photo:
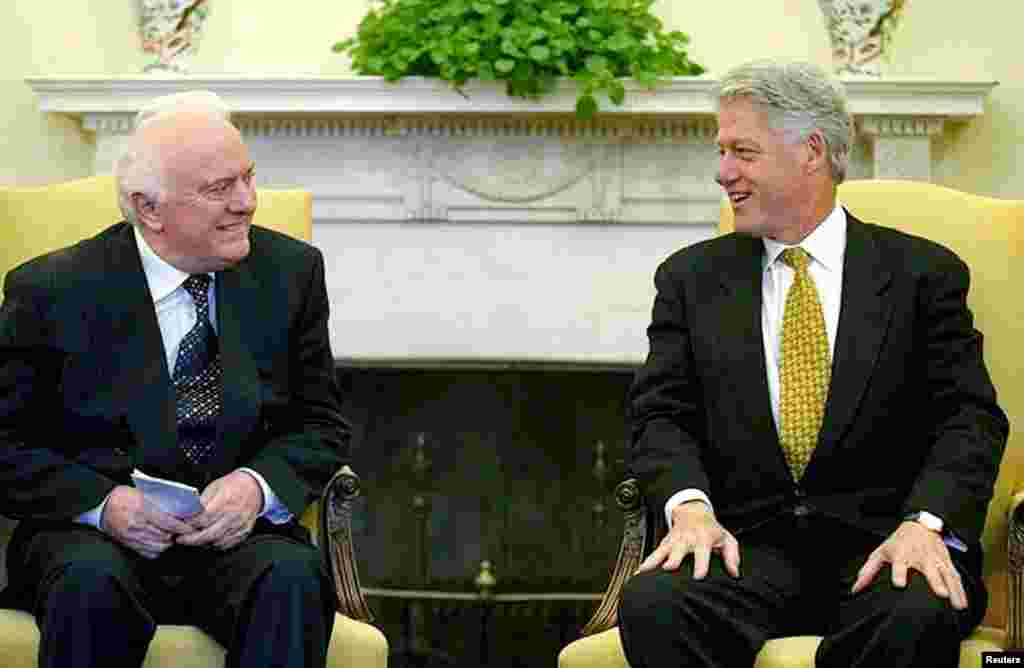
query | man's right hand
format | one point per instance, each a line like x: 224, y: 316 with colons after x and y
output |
x: 139, y: 525
x: 694, y: 531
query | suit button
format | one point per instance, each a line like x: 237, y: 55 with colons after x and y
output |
x: 801, y: 510
x: 120, y: 452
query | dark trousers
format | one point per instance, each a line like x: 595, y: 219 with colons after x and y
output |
x: 795, y: 579
x: 97, y: 603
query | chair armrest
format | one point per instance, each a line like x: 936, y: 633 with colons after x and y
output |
x: 1015, y: 564
x: 335, y: 531
x: 634, y: 537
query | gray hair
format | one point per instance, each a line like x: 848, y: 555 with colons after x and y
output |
x: 140, y: 166
x: 799, y: 98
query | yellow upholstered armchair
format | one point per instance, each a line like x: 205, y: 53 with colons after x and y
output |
x: 988, y: 234
x: 36, y: 220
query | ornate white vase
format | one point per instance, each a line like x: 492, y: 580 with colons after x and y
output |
x: 860, y: 32
x: 170, y: 30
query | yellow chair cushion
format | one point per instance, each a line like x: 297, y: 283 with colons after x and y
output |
x: 352, y: 644
x: 604, y: 650
x: 34, y: 221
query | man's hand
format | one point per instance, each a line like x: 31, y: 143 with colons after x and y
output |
x: 917, y: 547
x: 232, y: 505
x: 694, y: 530
x: 138, y: 524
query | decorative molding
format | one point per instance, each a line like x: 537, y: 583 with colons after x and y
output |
x: 895, y: 126
x: 357, y: 96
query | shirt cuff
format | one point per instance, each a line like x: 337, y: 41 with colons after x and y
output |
x: 273, y: 509
x: 679, y: 498
x: 95, y: 516
x: 948, y: 537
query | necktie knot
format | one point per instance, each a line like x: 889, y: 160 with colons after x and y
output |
x: 197, y: 285
x: 797, y: 258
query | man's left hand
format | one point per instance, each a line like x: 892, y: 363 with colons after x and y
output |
x: 916, y: 547
x: 232, y: 505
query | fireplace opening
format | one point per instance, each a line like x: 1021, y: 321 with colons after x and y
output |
x: 487, y: 529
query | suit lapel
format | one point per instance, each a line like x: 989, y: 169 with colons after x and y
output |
x: 236, y: 309
x: 740, y: 331
x: 141, y: 377
x: 864, y: 319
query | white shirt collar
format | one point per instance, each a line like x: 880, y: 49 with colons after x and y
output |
x: 163, y: 277
x: 826, y: 243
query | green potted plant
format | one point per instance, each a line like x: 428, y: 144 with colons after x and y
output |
x: 528, y: 44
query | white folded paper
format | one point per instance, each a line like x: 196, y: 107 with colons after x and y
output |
x: 174, y: 498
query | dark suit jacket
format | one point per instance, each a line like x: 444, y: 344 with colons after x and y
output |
x: 85, y: 393
x: 911, y: 420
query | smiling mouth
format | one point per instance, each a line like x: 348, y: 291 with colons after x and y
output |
x: 738, y: 197
x: 234, y: 226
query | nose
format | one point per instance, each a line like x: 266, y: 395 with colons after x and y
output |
x: 727, y: 172
x: 243, y: 197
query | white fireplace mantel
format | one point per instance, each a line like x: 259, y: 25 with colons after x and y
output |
x: 897, y: 117
x: 422, y: 196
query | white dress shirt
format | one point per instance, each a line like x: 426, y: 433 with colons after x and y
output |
x: 176, y: 315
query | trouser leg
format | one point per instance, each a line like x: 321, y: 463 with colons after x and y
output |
x: 899, y: 628
x: 268, y: 601
x: 670, y: 619
x: 88, y: 598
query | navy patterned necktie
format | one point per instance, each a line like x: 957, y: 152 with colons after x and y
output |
x: 197, y: 378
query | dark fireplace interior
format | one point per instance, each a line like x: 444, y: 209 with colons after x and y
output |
x: 512, y: 465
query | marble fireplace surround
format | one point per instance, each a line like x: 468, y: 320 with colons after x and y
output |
x: 480, y: 230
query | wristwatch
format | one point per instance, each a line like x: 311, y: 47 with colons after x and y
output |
x: 927, y: 520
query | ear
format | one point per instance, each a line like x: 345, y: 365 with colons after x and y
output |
x: 817, y: 156
x: 146, y: 211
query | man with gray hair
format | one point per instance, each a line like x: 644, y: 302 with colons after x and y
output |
x: 191, y: 345
x: 814, y: 421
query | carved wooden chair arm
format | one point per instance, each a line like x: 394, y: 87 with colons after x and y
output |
x: 1015, y: 564
x: 335, y: 531
x: 631, y: 552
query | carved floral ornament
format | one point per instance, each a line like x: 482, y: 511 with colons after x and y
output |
x: 861, y: 32
x: 170, y: 30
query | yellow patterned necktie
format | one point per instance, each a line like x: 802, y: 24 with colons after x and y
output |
x: 804, y: 367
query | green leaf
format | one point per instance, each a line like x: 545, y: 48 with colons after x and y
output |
x: 504, y: 65
x: 620, y: 41
x: 343, y: 45
x: 597, y: 64
x: 646, y: 78
x: 586, y: 107
x: 563, y: 45
x: 510, y: 48
x: 540, y: 53
x: 486, y: 72
x: 617, y: 93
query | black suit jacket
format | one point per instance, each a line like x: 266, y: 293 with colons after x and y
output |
x: 85, y: 393
x: 911, y: 420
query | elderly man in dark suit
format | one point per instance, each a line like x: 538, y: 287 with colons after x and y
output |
x: 814, y: 420
x: 191, y: 345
